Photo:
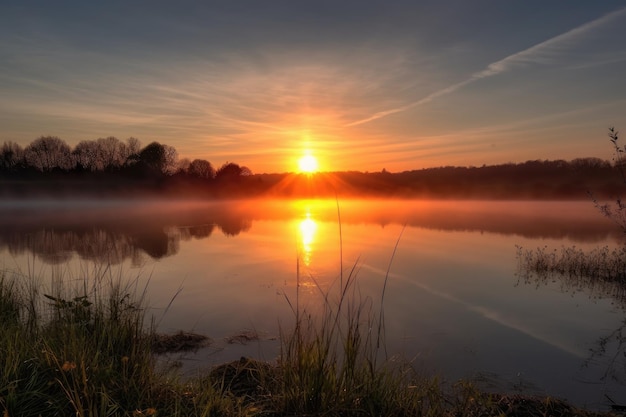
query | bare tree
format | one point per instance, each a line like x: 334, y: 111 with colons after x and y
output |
x: 171, y: 160
x: 11, y: 156
x: 48, y: 153
x: 590, y: 163
x: 85, y: 155
x: 133, y: 147
x: 112, y: 152
x: 201, y: 168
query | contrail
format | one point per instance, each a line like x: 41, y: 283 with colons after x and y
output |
x: 538, y: 53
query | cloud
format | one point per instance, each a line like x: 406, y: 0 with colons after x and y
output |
x: 218, y: 90
x: 541, y: 53
x: 544, y: 52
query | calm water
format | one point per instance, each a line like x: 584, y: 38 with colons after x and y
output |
x: 453, y: 303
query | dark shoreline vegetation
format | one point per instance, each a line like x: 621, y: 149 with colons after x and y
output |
x: 88, y: 349
x: 108, y: 167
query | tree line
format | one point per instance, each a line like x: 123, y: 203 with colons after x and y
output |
x: 536, y: 179
x: 50, y: 155
x: 109, y: 166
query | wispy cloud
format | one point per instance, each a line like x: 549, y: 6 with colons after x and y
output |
x: 541, y: 53
x: 238, y: 97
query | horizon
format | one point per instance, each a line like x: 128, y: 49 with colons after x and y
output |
x: 308, y: 164
x: 361, y: 86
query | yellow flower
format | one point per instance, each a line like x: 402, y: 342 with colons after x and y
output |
x: 151, y: 412
x: 124, y: 359
x: 68, y: 366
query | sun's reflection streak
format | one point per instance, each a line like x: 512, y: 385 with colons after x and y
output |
x: 311, y: 227
x: 307, y: 229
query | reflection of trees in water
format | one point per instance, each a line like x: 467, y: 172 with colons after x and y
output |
x: 109, y: 242
x: 157, y: 243
x: 56, y: 246
x: 198, y: 232
x: 601, y: 273
x: 236, y: 226
x: 112, y: 231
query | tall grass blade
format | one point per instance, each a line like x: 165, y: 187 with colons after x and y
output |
x: 381, y: 317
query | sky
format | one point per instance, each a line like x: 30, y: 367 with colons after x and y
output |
x: 362, y: 85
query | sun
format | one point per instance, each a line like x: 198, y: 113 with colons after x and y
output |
x: 308, y: 164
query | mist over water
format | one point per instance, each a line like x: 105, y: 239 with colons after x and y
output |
x: 453, y: 304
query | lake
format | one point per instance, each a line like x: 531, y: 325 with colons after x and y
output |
x: 454, y: 303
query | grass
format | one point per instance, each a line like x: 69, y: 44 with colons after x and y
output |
x: 328, y: 362
x: 87, y: 349
x: 601, y: 271
x: 68, y: 353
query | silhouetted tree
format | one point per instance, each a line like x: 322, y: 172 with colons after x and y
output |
x: 590, y: 163
x: 85, y: 155
x: 229, y: 171
x: 48, y: 153
x: 133, y: 147
x: 182, y: 167
x: 157, y: 159
x: 101, y: 154
x: 171, y: 160
x: 111, y: 153
x: 152, y: 158
x: 11, y: 156
x: 201, y: 168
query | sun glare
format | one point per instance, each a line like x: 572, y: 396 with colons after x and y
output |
x: 308, y: 164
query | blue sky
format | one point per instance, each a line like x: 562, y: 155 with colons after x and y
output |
x: 363, y: 85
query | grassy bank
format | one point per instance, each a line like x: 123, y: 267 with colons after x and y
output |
x: 88, y: 349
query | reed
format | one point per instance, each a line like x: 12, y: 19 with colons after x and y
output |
x: 601, y: 271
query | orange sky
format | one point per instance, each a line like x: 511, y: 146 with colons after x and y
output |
x: 363, y: 85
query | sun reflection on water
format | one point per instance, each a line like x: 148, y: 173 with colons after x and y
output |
x: 314, y: 227
x: 307, y: 229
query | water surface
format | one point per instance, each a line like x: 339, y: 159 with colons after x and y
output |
x: 453, y: 303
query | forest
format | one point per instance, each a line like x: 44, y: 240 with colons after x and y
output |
x: 109, y: 167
